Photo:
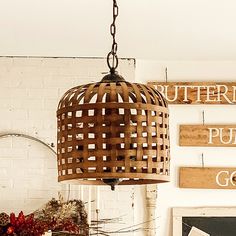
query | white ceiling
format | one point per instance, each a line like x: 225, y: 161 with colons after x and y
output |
x: 147, y: 29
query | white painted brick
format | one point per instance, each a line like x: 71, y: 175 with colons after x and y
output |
x: 5, y: 162
x: 50, y: 163
x: 29, y: 104
x: 20, y: 142
x: 5, y: 183
x: 13, y: 194
x: 62, y: 91
x: 20, y: 164
x: 16, y: 153
x: 51, y: 176
x: 5, y: 102
x: 51, y: 185
x: 20, y: 93
x: 27, y: 61
x: 35, y: 173
x: 17, y: 173
x: 48, y: 135
x: 36, y: 184
x: 29, y: 80
x: 32, y: 194
x: 54, y: 194
x: 16, y: 103
x: 11, y: 204
x: 34, y: 125
x: 15, y: 78
x: 21, y: 183
x: 45, y: 93
x: 5, y: 83
x: 19, y: 126
x: 37, y: 150
x: 36, y: 203
x: 35, y: 93
x: 57, y: 62
x: 18, y: 114
x: 4, y: 93
x: 35, y: 163
x: 5, y: 142
x: 57, y: 81
x: 51, y: 173
x: 3, y: 173
x: 6, y: 62
x: 14, y: 114
x: 50, y: 125
x: 51, y: 104
x: 34, y: 104
x: 5, y: 126
x: 39, y: 115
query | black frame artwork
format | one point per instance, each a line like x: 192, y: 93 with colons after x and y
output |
x: 218, y: 221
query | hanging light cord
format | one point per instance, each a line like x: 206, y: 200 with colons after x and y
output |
x: 112, y: 54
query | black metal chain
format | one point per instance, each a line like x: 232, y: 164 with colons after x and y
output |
x: 112, y: 54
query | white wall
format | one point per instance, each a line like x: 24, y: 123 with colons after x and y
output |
x: 29, y: 94
x: 153, y: 29
x: 169, y: 195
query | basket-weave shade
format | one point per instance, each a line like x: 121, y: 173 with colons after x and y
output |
x: 113, y: 130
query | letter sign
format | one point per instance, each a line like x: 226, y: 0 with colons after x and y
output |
x: 207, y: 178
x: 197, y: 92
x: 208, y: 135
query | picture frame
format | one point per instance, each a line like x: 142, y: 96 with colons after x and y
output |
x: 213, y: 221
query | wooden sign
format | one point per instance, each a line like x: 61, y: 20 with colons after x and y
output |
x: 207, y: 135
x: 207, y: 178
x: 197, y: 92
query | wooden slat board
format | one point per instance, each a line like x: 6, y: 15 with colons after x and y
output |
x: 207, y: 135
x: 207, y: 178
x: 197, y: 92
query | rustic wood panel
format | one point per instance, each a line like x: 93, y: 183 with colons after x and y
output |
x: 197, y: 92
x: 207, y: 135
x: 207, y: 178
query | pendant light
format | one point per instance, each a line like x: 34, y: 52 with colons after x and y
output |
x: 113, y: 131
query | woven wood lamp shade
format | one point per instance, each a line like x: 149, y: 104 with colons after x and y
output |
x: 113, y: 130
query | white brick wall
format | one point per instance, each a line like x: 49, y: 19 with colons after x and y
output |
x: 29, y: 93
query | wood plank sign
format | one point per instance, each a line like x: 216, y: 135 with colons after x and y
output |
x: 207, y: 178
x: 207, y: 135
x: 197, y: 92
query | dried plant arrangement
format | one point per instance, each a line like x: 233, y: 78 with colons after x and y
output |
x: 61, y: 218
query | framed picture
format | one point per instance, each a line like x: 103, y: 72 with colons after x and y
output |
x: 219, y: 221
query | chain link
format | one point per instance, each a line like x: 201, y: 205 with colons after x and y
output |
x: 112, y: 54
